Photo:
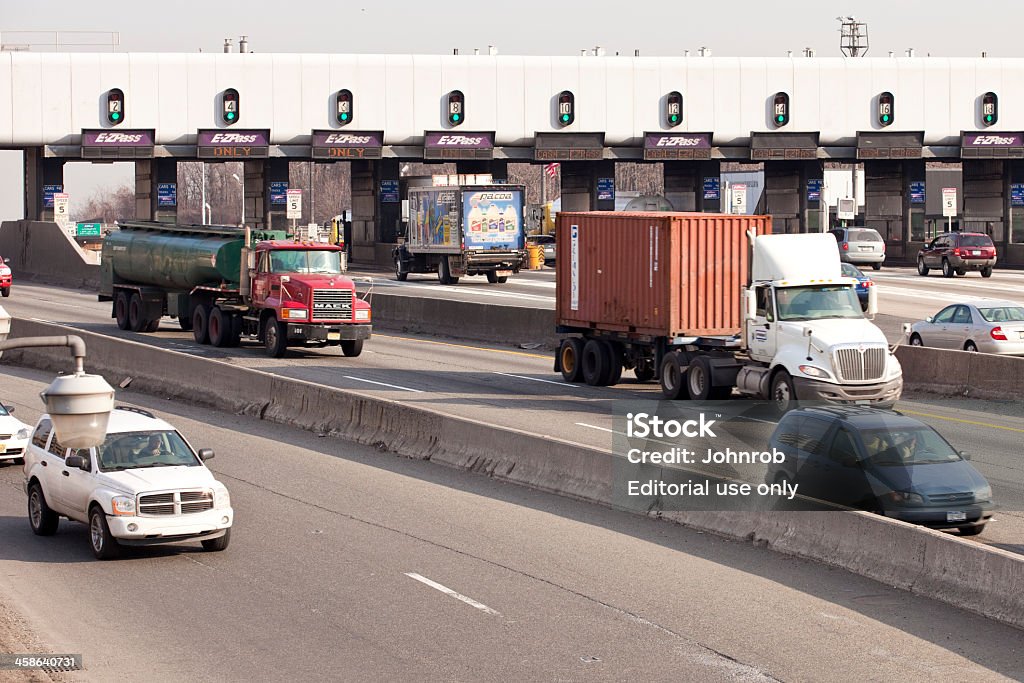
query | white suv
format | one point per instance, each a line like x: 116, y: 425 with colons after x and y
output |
x: 145, y: 485
x: 13, y: 436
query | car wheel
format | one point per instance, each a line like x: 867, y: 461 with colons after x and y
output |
x: 947, y: 268
x: 121, y: 310
x: 5, y: 292
x: 783, y: 394
x: 971, y: 530
x: 961, y: 271
x: 915, y: 340
x: 971, y: 346
x: 215, y: 545
x: 922, y: 269
x: 569, y: 359
x: 41, y: 518
x: 673, y: 378
x: 876, y: 266
x: 19, y: 461
x: 104, y: 545
x: 986, y: 271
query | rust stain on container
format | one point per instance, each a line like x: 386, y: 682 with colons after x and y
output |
x: 658, y: 274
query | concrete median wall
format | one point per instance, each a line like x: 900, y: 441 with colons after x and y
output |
x: 41, y: 250
x: 958, y: 373
x: 985, y: 580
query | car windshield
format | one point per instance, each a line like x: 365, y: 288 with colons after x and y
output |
x: 850, y: 270
x: 865, y: 236
x: 817, y: 301
x: 311, y: 261
x: 1002, y: 314
x: 975, y: 241
x: 135, y: 450
x: 914, y: 446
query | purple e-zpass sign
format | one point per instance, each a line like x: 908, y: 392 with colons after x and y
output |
x: 333, y: 144
x: 667, y: 146
x: 448, y: 145
x: 119, y: 144
x: 241, y: 144
x: 993, y: 140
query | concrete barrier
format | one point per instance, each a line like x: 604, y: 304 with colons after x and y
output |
x: 968, y: 575
x: 41, y: 250
x: 957, y: 373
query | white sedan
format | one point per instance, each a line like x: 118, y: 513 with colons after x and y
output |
x: 14, y: 436
x: 988, y: 326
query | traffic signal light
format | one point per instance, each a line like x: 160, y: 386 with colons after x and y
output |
x: 566, y: 108
x: 989, y: 108
x: 673, y: 109
x: 781, y: 109
x: 344, y: 99
x: 886, y: 109
x: 230, y: 106
x: 115, y: 106
x: 456, y: 108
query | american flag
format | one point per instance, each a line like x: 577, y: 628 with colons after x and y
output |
x: 551, y: 170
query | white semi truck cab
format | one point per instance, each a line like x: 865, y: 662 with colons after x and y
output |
x: 805, y: 335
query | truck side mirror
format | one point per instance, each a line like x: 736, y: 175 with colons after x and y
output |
x: 750, y: 302
x: 872, y: 302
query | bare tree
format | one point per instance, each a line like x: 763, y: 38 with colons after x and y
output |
x: 108, y: 205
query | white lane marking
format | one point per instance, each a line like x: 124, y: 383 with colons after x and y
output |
x: 534, y: 379
x: 448, y: 591
x: 467, y: 291
x: 603, y: 429
x: 383, y: 384
x: 528, y: 283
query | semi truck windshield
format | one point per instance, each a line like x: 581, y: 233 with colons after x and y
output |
x: 313, y: 261
x: 817, y: 302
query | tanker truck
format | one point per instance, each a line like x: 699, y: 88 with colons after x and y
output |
x: 714, y: 304
x: 226, y: 283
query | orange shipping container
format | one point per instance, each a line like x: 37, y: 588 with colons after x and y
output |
x: 655, y: 274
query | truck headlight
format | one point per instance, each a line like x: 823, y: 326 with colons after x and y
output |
x: 363, y: 314
x: 122, y: 505
x: 294, y: 313
x: 221, y: 499
x: 813, y: 371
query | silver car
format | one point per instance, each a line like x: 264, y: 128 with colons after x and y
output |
x: 988, y: 326
x: 860, y: 245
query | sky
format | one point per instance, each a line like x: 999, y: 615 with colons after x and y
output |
x: 743, y: 28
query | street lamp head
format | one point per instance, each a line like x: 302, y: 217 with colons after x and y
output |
x: 79, y: 406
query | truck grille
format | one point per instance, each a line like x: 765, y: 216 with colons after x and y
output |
x: 175, y: 503
x: 332, y: 304
x: 860, y: 364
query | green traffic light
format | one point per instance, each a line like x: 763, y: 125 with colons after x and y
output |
x: 565, y: 117
x: 231, y: 115
x: 674, y: 118
x: 885, y: 117
x: 115, y: 116
x: 988, y: 118
x: 455, y: 117
x: 780, y: 118
x: 344, y: 117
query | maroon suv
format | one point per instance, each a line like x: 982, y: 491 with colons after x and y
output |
x: 958, y: 252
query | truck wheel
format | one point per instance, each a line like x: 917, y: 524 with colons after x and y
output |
x: 104, y: 545
x: 185, y: 323
x: 783, y: 394
x: 400, y: 275
x: 493, y: 278
x: 121, y: 309
x: 153, y: 326
x: 615, y: 369
x: 352, y: 347
x: 644, y: 370
x: 444, y: 272
x: 219, y: 327
x: 595, y: 362
x: 236, y: 330
x: 698, y: 382
x: 136, y: 310
x: 200, y: 324
x: 275, y: 335
x: 569, y: 359
x: 673, y: 379
x: 215, y: 545
x: 41, y: 518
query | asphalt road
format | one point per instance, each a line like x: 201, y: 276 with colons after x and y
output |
x: 518, y: 389
x: 340, y: 555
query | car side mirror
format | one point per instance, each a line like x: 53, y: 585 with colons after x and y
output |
x: 965, y: 455
x: 928, y: 319
x: 77, y: 462
x: 205, y: 454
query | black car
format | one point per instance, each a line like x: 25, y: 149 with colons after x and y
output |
x: 883, y: 462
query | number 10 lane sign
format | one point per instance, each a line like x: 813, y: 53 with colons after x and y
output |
x: 949, y: 201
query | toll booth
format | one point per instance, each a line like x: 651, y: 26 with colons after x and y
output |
x: 893, y: 164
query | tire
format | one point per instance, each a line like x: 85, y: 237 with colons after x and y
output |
x: 492, y: 277
x: 783, y: 394
x: 5, y: 292
x: 698, y: 382
x: 569, y: 359
x: 201, y: 324
x: 275, y: 335
x: 219, y: 326
x: 215, y: 545
x: 400, y: 274
x: 104, y: 546
x: 615, y: 368
x: 596, y: 362
x: 19, y: 461
x: 970, y: 347
x: 41, y: 518
x: 971, y: 530
x: 876, y: 266
x: 922, y: 269
x: 915, y: 340
x: 185, y: 323
x: 352, y: 347
x: 502, y: 279
x: 137, y: 321
x: 236, y: 330
x: 153, y: 326
x: 947, y: 268
x: 985, y: 272
x: 644, y: 370
x: 121, y: 309
x: 673, y: 379
x: 444, y: 272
